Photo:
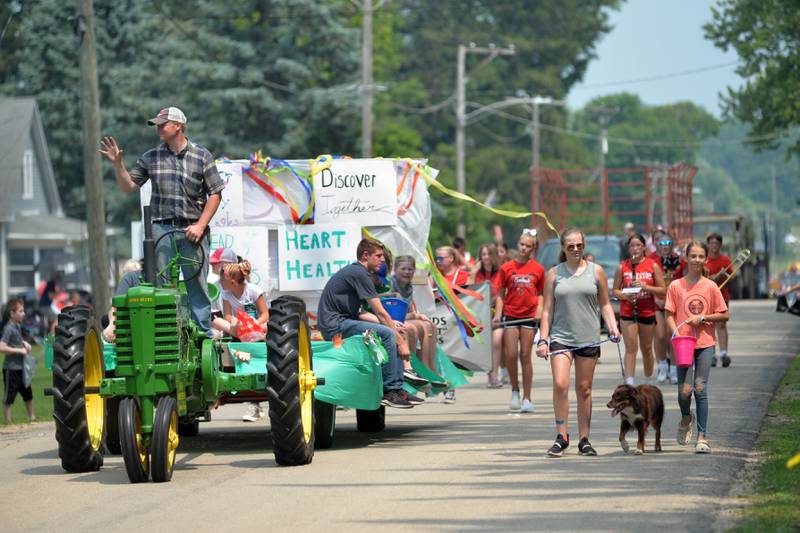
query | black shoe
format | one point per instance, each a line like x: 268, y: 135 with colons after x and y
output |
x: 585, y: 447
x: 713, y: 360
x: 726, y: 361
x: 410, y: 398
x: 393, y: 398
x: 558, y: 447
x: 411, y: 376
x: 437, y: 383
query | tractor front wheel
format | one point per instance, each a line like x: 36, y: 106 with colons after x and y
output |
x: 165, y: 439
x: 290, y: 382
x: 79, y: 416
x: 134, y: 451
x: 112, y: 425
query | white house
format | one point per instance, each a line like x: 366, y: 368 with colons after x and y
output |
x: 35, y: 237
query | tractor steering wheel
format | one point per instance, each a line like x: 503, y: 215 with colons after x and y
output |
x: 181, y: 259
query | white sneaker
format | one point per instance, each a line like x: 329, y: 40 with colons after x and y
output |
x: 253, y: 413
x: 449, y: 397
x: 649, y: 380
x: 629, y: 381
x: 662, y: 371
x: 514, y: 405
x: 527, y: 406
x: 673, y: 375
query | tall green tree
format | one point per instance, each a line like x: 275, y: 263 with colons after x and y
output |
x: 764, y: 33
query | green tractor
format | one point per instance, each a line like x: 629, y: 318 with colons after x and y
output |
x: 167, y: 375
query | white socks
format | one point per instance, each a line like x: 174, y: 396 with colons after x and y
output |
x: 629, y: 381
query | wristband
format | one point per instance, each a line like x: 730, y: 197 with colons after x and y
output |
x: 541, y: 341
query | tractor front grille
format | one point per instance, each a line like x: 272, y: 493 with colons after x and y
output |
x: 160, y: 321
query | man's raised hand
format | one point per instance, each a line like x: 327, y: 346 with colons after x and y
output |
x: 110, y: 149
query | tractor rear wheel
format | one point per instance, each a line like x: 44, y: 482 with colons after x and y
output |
x: 371, y: 421
x: 165, y: 439
x: 78, y: 364
x: 134, y: 451
x: 290, y: 382
x: 324, y: 424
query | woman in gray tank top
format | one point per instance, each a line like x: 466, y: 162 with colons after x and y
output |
x: 575, y: 293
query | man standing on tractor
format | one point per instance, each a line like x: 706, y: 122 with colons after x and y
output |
x: 338, y: 313
x: 187, y: 191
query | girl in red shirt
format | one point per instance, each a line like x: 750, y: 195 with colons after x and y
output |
x: 487, y: 268
x: 673, y: 267
x: 717, y: 265
x: 520, y: 281
x: 636, y: 282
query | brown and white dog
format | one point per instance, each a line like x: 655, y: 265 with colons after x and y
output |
x: 639, y: 407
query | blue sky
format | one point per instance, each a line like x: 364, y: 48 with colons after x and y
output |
x: 654, y: 38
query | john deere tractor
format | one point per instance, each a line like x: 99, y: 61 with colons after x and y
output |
x: 164, y: 375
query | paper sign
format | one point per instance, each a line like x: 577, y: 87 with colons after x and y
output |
x: 631, y: 290
x: 231, y: 210
x: 249, y: 242
x: 309, y: 255
x: 356, y: 191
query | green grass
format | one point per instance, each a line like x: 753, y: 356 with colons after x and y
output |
x: 43, y: 405
x: 775, y: 502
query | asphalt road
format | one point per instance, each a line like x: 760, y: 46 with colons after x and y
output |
x: 467, y: 466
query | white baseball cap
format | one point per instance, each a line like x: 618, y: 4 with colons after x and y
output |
x: 168, y: 114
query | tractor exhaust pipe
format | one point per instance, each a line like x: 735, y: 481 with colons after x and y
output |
x: 149, y: 248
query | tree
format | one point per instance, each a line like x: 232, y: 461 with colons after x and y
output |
x: 764, y: 35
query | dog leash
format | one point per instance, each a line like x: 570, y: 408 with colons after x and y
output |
x: 615, y: 340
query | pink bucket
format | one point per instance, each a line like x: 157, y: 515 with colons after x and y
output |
x: 684, y: 350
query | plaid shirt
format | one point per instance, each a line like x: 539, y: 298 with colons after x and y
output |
x: 181, y: 182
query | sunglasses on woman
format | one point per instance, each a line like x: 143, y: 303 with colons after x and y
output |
x: 573, y: 247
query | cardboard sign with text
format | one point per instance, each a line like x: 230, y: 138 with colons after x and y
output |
x: 249, y: 242
x: 310, y: 255
x: 362, y: 192
x: 231, y: 210
x: 479, y: 354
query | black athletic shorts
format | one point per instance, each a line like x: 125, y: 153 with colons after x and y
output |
x: 644, y: 320
x: 530, y: 323
x: 13, y: 384
x: 593, y: 351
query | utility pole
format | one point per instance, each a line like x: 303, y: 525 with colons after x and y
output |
x: 366, y: 81
x: 367, y: 85
x: 535, y: 154
x: 602, y: 169
x: 491, y: 52
x: 92, y: 170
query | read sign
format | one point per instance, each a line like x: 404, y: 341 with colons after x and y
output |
x: 310, y: 255
x: 356, y: 191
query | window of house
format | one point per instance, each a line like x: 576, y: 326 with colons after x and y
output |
x: 21, y: 269
x: 27, y: 175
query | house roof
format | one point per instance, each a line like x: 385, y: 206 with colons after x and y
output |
x: 19, y: 118
x: 47, y: 228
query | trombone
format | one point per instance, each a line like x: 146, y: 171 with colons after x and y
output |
x: 727, y: 274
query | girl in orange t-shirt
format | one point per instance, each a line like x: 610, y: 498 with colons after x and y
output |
x: 696, y: 300
x: 637, y: 310
x: 520, y: 281
x: 487, y: 268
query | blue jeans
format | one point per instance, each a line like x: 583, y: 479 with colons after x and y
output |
x: 393, y: 369
x: 196, y: 289
x: 702, y: 368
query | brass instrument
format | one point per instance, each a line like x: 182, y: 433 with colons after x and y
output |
x: 728, y: 273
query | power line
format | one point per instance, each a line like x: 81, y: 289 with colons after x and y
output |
x: 657, y: 77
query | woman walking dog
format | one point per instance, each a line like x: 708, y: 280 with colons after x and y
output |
x: 694, y: 302
x: 575, y: 293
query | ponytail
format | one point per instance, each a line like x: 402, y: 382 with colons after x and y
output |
x: 239, y: 272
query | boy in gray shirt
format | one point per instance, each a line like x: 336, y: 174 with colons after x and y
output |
x: 15, y: 349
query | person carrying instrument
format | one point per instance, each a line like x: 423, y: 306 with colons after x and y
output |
x: 717, y: 265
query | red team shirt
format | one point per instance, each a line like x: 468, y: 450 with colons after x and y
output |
x: 717, y: 265
x: 480, y: 277
x: 523, y: 283
x: 645, y: 303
